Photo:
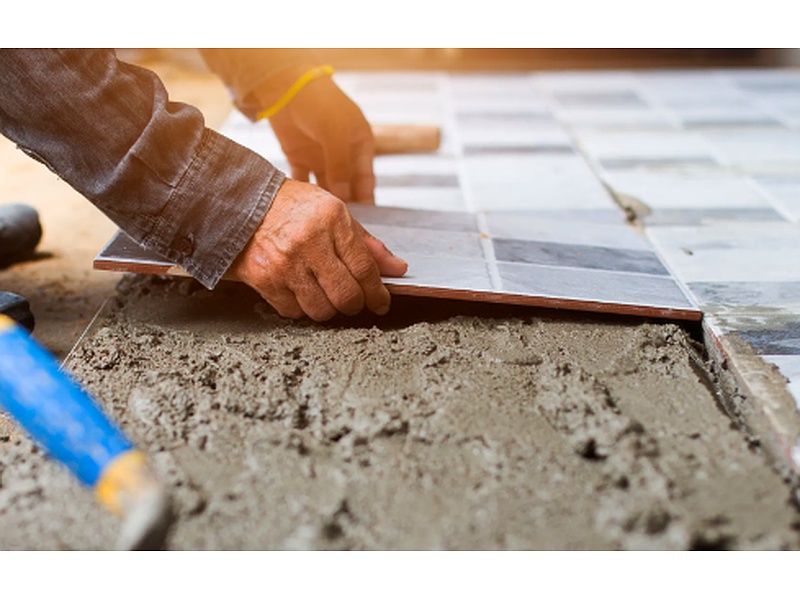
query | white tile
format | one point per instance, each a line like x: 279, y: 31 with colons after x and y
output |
x: 514, y: 182
x: 731, y: 251
x: 687, y: 190
x: 653, y: 144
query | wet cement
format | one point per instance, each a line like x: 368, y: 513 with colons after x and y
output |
x: 442, y: 426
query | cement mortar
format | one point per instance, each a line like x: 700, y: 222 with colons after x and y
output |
x: 441, y: 426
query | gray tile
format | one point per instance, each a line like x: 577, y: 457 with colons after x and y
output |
x: 418, y: 219
x: 411, y: 241
x: 607, y: 229
x: 428, y: 199
x: 685, y: 216
x: 503, y: 119
x: 573, y: 255
x: 593, y: 286
x: 438, y: 272
x: 768, y: 297
x: 425, y: 180
x: 475, y: 150
x: 658, y: 162
x: 783, y: 341
x: 618, y: 99
x: 577, y: 217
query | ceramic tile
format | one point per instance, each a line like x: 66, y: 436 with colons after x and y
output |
x: 422, y: 180
x: 443, y: 273
x: 781, y: 341
x: 566, y: 229
x: 710, y: 216
x: 574, y: 255
x: 747, y: 297
x: 730, y: 251
x: 647, y: 146
x: 745, y: 148
x: 512, y: 182
x: 406, y: 241
x: 588, y: 119
x: 441, y: 221
x: 445, y: 199
x: 784, y: 193
x: 624, y: 99
x: 682, y: 190
x: 592, y: 286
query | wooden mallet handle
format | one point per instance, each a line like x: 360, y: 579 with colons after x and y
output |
x: 404, y: 139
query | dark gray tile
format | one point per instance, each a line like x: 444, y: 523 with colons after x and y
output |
x: 593, y: 286
x: 418, y: 180
x: 783, y: 341
x: 475, y: 150
x: 686, y: 216
x: 421, y: 219
x: 573, y: 255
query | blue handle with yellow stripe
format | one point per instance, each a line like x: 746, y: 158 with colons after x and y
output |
x: 53, y: 409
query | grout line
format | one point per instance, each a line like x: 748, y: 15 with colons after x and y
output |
x: 488, y: 251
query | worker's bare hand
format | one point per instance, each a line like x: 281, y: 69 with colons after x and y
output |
x: 310, y: 257
x: 322, y: 131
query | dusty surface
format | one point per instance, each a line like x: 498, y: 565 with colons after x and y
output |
x: 445, y: 426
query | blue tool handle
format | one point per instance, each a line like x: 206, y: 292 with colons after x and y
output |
x: 53, y: 409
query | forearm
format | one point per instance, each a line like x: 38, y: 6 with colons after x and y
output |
x: 109, y: 130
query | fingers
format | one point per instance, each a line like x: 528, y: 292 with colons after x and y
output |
x: 388, y: 264
x: 310, y: 257
x: 363, y: 179
x: 336, y: 155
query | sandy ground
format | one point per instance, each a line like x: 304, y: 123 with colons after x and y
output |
x: 442, y: 426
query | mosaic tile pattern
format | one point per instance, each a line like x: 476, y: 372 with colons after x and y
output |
x: 711, y: 158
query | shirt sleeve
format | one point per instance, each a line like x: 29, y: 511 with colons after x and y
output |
x: 245, y: 69
x: 109, y: 129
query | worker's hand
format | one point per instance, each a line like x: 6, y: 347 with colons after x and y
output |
x: 322, y: 131
x: 310, y: 257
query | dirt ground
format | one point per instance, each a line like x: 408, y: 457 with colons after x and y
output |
x: 442, y: 426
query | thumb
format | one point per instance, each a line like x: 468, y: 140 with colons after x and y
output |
x: 388, y: 264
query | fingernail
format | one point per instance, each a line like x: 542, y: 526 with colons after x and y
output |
x: 382, y: 310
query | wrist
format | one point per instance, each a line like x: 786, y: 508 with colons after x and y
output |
x: 273, y: 95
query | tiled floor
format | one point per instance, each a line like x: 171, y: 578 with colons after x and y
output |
x: 708, y: 160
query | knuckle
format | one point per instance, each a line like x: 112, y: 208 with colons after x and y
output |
x: 363, y: 269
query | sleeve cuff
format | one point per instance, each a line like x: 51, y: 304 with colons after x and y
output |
x: 215, y: 208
